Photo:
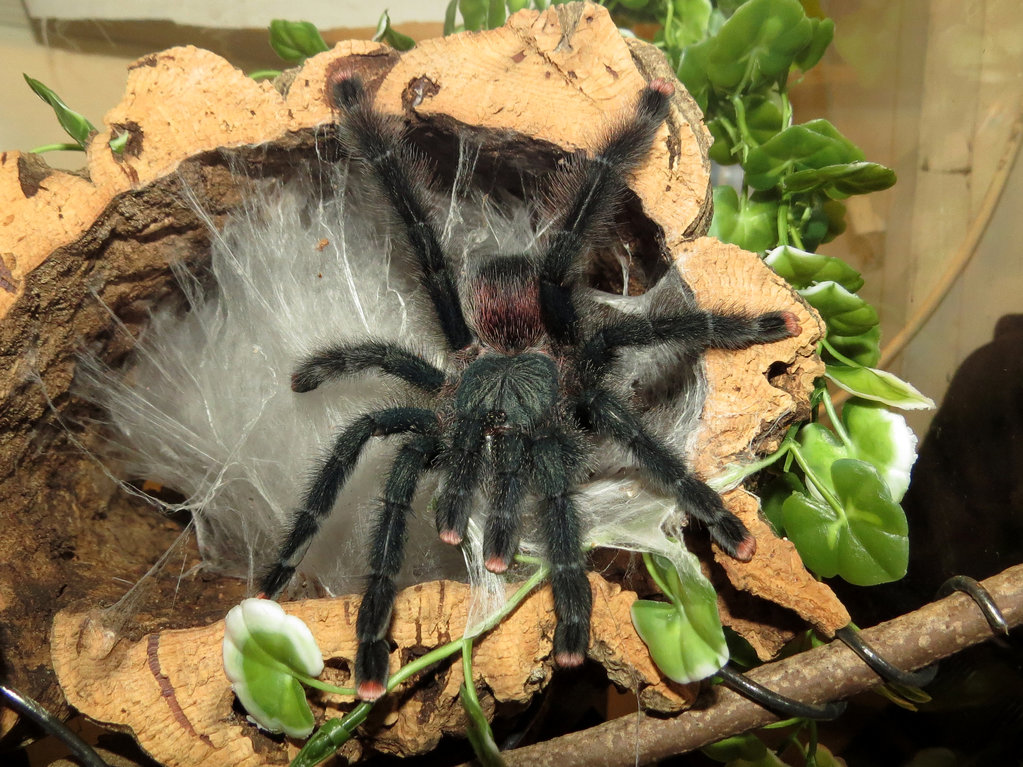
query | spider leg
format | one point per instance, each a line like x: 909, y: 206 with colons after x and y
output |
x: 596, y: 188
x: 607, y: 415
x: 342, y: 360
x: 463, y: 469
x: 555, y: 458
x: 337, y: 466
x: 694, y: 330
x: 385, y: 558
x: 501, y: 535
x: 377, y: 139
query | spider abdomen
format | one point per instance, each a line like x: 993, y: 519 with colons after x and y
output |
x: 513, y: 390
x: 505, y: 304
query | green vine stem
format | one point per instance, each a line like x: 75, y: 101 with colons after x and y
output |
x: 335, y: 732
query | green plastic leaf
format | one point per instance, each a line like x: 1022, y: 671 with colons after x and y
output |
x: 480, y: 735
x: 721, y: 149
x: 740, y: 652
x: 689, y: 22
x: 750, y: 224
x: 865, y: 541
x: 863, y: 349
x: 764, y: 118
x: 812, y: 145
x: 820, y: 39
x: 818, y: 218
x: 803, y: 269
x: 496, y: 14
x: 264, y: 649
x: 388, y: 34
x: 884, y: 440
x: 692, y: 71
x: 774, y: 495
x: 879, y: 386
x: 824, y: 758
x: 845, y: 313
x: 265, y: 74
x: 872, y: 433
x: 728, y: 7
x: 684, y: 635
x: 450, y: 15
x: 842, y: 180
x: 834, y: 212
x: 474, y: 13
x: 74, y: 124
x: 758, y: 44
x: 514, y: 6
x: 119, y: 142
x: 747, y: 747
x: 820, y: 448
x: 295, y: 41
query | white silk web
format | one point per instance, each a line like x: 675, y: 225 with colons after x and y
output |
x: 206, y: 406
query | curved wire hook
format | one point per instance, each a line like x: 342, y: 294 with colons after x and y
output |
x: 787, y: 708
x: 981, y: 596
x: 882, y: 667
x: 32, y: 710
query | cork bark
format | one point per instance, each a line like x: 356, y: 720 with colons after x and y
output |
x: 84, y: 256
x: 174, y: 697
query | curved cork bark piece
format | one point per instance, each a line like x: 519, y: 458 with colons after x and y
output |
x: 173, y: 696
x: 84, y: 256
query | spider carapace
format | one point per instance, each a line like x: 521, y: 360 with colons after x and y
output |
x: 527, y: 392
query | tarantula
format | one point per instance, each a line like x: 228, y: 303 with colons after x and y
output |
x: 525, y: 396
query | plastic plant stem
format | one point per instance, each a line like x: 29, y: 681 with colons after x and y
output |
x: 836, y: 422
x: 470, y: 686
x: 652, y: 571
x: 831, y: 500
x: 454, y: 646
x: 783, y: 223
x: 309, y: 681
x: 740, y: 121
x: 335, y: 732
x: 797, y: 241
x: 811, y: 744
x: 487, y: 753
x: 839, y: 356
x: 68, y: 147
x: 786, y: 109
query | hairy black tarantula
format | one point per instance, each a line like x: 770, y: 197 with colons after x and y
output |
x: 526, y: 395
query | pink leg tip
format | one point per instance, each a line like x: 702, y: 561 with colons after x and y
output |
x: 569, y: 659
x: 746, y: 549
x: 792, y: 324
x: 662, y: 86
x: 370, y: 690
x: 450, y: 537
x: 496, y: 564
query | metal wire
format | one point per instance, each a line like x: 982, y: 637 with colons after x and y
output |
x: 786, y: 708
x: 980, y: 595
x: 882, y: 667
x: 32, y: 710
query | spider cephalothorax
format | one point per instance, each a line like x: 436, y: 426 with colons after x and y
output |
x: 526, y: 395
